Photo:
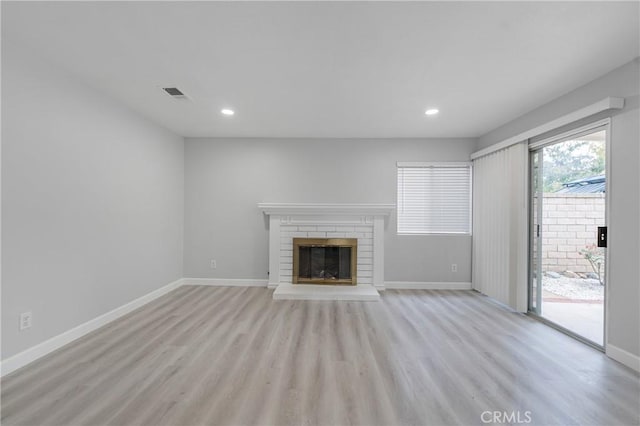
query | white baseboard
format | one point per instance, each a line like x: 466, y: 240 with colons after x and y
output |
x: 225, y: 282
x: 416, y: 285
x: 623, y: 357
x: 33, y: 353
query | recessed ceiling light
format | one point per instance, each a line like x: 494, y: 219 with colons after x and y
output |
x: 432, y: 111
x: 227, y: 111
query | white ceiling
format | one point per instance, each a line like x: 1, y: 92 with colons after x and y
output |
x: 331, y: 69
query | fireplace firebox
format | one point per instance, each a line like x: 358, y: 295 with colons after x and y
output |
x: 325, y: 261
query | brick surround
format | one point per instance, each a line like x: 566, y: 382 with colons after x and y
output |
x: 363, y: 232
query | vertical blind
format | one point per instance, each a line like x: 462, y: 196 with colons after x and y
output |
x: 500, y: 225
x: 434, y: 198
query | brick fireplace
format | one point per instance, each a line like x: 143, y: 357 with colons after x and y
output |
x: 363, y: 222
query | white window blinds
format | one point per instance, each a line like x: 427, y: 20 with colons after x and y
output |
x: 434, y: 198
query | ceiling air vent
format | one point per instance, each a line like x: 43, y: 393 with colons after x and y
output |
x: 174, y: 92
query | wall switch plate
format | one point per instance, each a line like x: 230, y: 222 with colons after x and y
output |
x: 25, y: 320
x: 454, y: 267
x: 213, y: 264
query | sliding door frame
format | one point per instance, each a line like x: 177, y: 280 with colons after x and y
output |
x: 534, y: 236
x: 603, y: 124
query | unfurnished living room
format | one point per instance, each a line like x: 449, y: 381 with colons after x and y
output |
x: 320, y: 213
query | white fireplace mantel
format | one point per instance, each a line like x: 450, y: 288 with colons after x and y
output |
x: 286, y: 209
x: 365, y: 222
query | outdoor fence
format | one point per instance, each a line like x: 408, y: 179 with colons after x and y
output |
x: 570, y: 224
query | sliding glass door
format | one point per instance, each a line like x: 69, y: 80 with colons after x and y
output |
x: 568, y: 233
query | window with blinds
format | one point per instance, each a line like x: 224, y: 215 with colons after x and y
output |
x: 434, y: 198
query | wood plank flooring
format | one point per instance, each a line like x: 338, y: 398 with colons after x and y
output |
x: 234, y: 356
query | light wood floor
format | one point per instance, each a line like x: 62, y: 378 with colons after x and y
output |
x: 234, y: 356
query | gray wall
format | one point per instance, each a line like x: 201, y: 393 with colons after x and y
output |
x: 92, y: 202
x: 226, y: 178
x: 624, y: 176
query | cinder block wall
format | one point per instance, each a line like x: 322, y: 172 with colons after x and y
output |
x: 570, y: 224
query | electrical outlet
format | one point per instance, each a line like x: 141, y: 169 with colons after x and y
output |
x: 454, y: 267
x: 213, y: 264
x: 25, y: 320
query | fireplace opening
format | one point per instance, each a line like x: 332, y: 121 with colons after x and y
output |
x: 325, y: 261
